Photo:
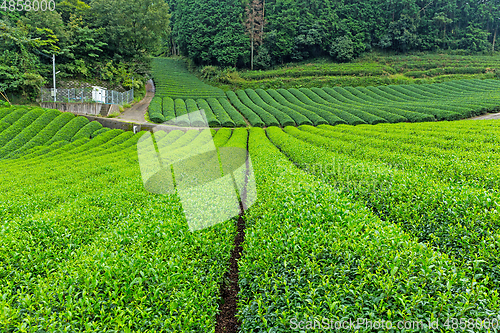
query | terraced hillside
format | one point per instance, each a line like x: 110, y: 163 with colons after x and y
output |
x: 371, y: 69
x: 371, y: 105
x: 172, y: 79
x: 391, y: 222
x: 338, y: 105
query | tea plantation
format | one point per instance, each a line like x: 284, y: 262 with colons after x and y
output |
x: 451, y: 100
x: 393, y: 222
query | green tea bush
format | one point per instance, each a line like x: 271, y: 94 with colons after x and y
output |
x: 266, y: 99
x: 168, y: 108
x: 67, y: 132
x: 257, y: 102
x: 29, y: 132
x: 236, y: 117
x: 267, y: 118
x: 251, y: 116
x: 211, y: 118
x: 87, y: 130
x: 16, y: 127
x: 173, y: 79
x: 313, y: 253
x: 155, y: 110
x: 99, y: 132
x: 220, y: 113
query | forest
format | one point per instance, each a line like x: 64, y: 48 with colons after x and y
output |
x: 113, y: 40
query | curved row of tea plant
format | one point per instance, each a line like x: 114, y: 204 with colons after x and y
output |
x: 173, y: 79
x: 443, y: 155
x: 455, y: 216
x: 86, y: 248
x: 312, y: 254
x: 371, y: 105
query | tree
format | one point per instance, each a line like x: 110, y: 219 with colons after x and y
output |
x: 254, y: 25
x: 19, y: 66
x: 132, y: 28
x: 442, y: 20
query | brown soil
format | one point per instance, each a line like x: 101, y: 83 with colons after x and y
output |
x: 226, y: 319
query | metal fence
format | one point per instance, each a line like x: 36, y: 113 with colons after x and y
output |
x: 87, y: 95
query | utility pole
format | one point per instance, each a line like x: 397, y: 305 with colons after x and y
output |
x: 54, y: 75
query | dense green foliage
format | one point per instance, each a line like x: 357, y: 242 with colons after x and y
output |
x: 101, y: 41
x: 107, y: 257
x: 183, y: 93
x: 314, y: 252
x: 211, y: 32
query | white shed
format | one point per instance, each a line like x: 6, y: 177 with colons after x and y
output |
x: 99, y: 94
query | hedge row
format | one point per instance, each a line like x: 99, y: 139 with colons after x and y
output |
x: 312, y: 116
x: 211, y: 118
x: 446, y: 70
x: 19, y: 125
x: 238, y: 119
x: 14, y: 115
x: 29, y: 132
x: 99, y: 132
x: 220, y: 113
x: 312, y: 254
x: 87, y: 130
x: 87, y: 217
x: 168, y: 108
x: 155, y: 110
x: 319, y: 97
x: 4, y: 112
x: 292, y: 96
x: 257, y: 103
x: 67, y: 132
x: 267, y: 118
x: 251, y: 116
x: 297, y: 117
x: 195, y: 117
x: 181, y: 115
x: 44, y: 135
x: 454, y: 218
x: 173, y: 79
x: 470, y: 161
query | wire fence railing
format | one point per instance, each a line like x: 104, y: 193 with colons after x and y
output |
x: 87, y: 95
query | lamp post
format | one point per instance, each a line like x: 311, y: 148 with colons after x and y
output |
x: 54, y: 75
x: 53, y: 71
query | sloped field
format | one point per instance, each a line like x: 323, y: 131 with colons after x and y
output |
x: 394, y: 222
x: 172, y: 79
x: 330, y: 105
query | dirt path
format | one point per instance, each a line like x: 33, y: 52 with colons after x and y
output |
x: 487, y: 116
x: 136, y: 113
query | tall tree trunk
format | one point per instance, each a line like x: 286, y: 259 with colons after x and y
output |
x: 444, y: 35
x: 263, y: 17
x: 252, y: 37
x: 494, y: 40
x: 251, y: 57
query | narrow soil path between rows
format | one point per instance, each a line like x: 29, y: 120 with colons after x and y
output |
x: 226, y: 321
